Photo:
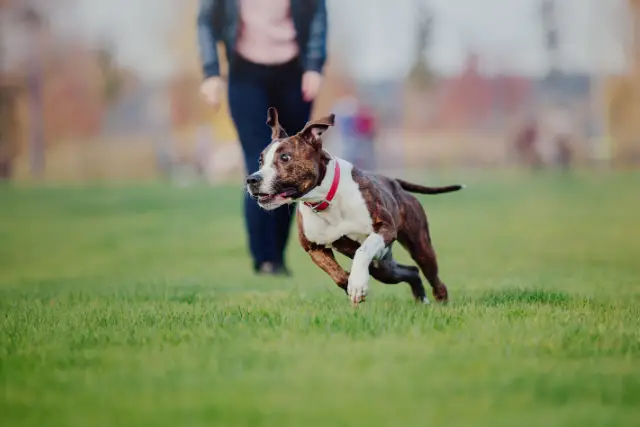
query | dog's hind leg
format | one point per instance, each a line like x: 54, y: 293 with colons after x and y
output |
x: 422, y: 252
x: 387, y: 270
x: 390, y: 272
x: 417, y: 241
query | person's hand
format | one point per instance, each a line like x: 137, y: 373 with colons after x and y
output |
x: 211, y: 91
x: 311, y: 82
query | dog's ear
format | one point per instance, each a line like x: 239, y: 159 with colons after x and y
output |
x: 277, y: 132
x: 313, y: 131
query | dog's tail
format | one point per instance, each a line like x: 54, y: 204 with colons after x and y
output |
x: 420, y: 189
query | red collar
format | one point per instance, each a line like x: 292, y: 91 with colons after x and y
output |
x: 320, y: 206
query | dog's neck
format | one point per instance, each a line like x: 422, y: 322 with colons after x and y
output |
x: 320, y: 191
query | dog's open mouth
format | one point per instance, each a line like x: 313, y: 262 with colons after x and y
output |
x: 281, y: 196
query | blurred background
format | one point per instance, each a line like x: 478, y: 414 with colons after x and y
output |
x: 93, y: 90
x: 126, y: 293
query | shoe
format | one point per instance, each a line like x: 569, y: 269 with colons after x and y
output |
x: 271, y: 269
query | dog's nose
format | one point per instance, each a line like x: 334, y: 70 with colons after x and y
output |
x: 254, y: 179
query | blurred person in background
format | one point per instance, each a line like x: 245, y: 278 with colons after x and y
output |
x: 355, y: 124
x: 526, y: 143
x: 276, y: 51
x: 376, y: 43
x: 8, y: 130
x: 561, y: 126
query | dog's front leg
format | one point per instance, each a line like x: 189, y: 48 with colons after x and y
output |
x: 324, y: 258
x: 372, y: 247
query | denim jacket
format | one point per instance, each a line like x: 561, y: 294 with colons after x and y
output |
x: 218, y: 21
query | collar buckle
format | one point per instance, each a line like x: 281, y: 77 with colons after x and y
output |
x: 320, y: 206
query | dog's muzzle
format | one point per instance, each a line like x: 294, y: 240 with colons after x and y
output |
x: 277, y: 195
x: 253, y: 182
x: 254, y: 179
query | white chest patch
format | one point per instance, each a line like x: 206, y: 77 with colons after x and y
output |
x: 347, y: 216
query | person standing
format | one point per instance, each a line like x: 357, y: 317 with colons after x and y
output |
x: 276, y: 51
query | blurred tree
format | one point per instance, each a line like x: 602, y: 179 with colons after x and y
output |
x: 8, y: 125
x: 421, y: 75
x: 634, y: 6
x: 36, y: 28
x: 113, y: 76
x: 551, y: 34
x: 623, y: 98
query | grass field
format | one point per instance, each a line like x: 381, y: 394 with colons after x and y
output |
x: 135, y: 306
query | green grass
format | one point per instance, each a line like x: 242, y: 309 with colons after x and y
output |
x: 136, y: 306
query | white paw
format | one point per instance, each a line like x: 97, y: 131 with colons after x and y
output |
x: 358, y: 287
x: 425, y: 301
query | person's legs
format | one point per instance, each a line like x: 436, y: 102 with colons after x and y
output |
x: 293, y: 113
x: 386, y: 99
x: 248, y: 104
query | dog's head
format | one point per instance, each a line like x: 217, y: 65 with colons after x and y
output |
x: 290, y: 166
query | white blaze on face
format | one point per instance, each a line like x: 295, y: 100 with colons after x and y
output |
x: 268, y: 170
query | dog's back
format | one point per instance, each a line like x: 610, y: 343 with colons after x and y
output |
x: 400, y: 188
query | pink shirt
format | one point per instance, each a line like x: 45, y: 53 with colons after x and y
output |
x: 267, y: 34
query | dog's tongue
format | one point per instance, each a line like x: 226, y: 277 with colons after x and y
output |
x: 286, y: 194
x: 274, y: 196
x: 282, y: 195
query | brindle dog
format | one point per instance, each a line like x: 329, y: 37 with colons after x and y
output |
x: 357, y: 213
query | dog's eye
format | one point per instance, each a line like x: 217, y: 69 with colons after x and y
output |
x: 285, y: 157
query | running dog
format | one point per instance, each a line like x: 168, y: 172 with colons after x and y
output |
x: 357, y: 213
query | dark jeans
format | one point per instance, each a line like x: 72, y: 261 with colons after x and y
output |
x: 253, y: 88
